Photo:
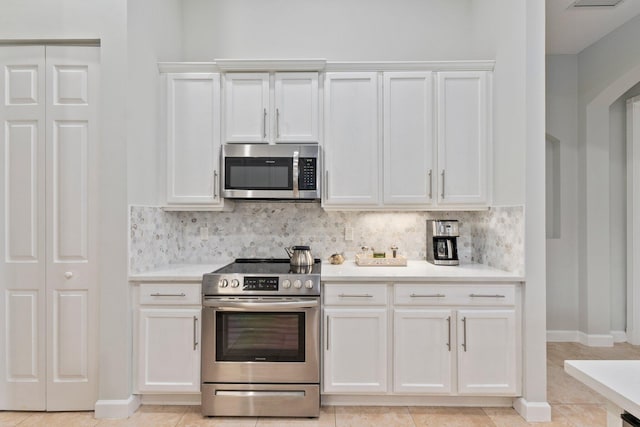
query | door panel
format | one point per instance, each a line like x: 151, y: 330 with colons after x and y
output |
x: 21, y: 171
x: 72, y: 146
x: 70, y: 318
x: 22, y: 225
x: 70, y: 151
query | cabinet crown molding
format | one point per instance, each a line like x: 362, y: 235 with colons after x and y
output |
x: 230, y: 65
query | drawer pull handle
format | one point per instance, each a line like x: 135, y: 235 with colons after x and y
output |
x: 449, y: 333
x: 486, y: 296
x: 355, y: 296
x: 195, y: 333
x: 464, y: 334
x: 427, y: 295
x: 182, y: 294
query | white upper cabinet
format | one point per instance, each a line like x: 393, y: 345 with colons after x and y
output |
x: 296, y: 101
x: 259, y: 108
x: 246, y: 108
x: 463, y: 112
x: 408, y: 138
x: 193, y: 138
x: 351, y: 140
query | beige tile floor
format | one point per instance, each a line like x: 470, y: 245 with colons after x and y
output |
x: 573, y: 405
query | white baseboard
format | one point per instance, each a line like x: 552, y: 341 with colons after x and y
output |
x: 562, y: 336
x: 532, y: 412
x: 117, y: 408
x: 619, y: 336
x: 191, y: 399
x: 593, y: 340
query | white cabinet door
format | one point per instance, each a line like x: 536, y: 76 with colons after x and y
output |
x: 487, y: 352
x: 408, y: 139
x: 246, y: 107
x: 48, y: 286
x: 296, y: 102
x: 352, y: 145
x: 193, y: 138
x: 422, y: 360
x: 463, y: 128
x: 355, y: 350
x: 169, y: 350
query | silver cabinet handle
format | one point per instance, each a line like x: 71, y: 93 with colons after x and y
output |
x: 486, y: 296
x: 464, y: 334
x: 181, y: 294
x: 427, y: 295
x: 326, y: 185
x: 195, y: 332
x: 355, y: 296
x: 278, y: 123
x: 215, y: 184
x: 442, y: 194
x: 264, y: 124
x: 430, y: 184
x: 449, y: 333
x: 328, y: 318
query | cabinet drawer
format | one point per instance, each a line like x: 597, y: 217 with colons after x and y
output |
x: 347, y: 294
x: 170, y: 294
x: 476, y: 295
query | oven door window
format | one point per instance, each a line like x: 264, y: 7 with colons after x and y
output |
x: 259, y: 173
x: 260, y: 336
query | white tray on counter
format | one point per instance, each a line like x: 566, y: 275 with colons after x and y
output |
x: 369, y: 261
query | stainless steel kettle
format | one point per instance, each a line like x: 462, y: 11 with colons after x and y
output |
x: 299, y: 256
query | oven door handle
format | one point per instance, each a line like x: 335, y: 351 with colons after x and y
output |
x: 261, y: 305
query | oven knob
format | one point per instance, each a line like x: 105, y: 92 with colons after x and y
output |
x: 286, y: 283
x: 223, y: 283
x: 297, y: 284
x: 308, y: 284
x: 235, y: 283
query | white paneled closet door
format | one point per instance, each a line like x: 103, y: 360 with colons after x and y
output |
x: 71, y: 224
x: 22, y: 225
x: 50, y: 218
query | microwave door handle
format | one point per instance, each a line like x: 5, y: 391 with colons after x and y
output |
x: 296, y: 189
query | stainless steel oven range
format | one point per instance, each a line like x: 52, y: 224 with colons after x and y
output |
x: 261, y: 339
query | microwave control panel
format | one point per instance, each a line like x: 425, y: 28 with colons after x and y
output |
x: 307, y: 173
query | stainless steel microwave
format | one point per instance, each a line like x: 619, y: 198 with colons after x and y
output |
x: 263, y: 171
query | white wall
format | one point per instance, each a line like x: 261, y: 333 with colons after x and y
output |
x: 618, y: 202
x: 591, y: 86
x: 562, y: 258
x: 496, y: 31
x: 104, y: 20
x: 154, y: 35
x: 331, y: 29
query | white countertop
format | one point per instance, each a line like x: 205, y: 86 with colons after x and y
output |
x: 616, y: 380
x: 414, y: 271
x: 175, y: 272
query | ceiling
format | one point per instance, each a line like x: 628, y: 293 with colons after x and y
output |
x: 570, y: 30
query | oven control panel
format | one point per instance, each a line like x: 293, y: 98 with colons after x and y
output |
x: 238, y: 284
x: 260, y: 284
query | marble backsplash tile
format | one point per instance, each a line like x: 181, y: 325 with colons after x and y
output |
x: 258, y: 229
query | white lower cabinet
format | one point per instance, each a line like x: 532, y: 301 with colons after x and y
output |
x: 452, y: 339
x: 355, y: 339
x: 456, y: 339
x: 168, y: 339
x: 487, y: 352
x: 422, y: 351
